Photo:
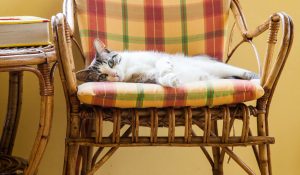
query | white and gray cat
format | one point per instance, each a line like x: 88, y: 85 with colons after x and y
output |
x: 156, y: 67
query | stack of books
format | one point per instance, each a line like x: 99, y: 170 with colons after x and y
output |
x: 19, y: 31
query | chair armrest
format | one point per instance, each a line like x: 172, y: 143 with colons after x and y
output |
x: 272, y: 66
x: 63, y: 46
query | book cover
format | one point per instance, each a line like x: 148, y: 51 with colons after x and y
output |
x: 19, y: 31
x: 22, y: 20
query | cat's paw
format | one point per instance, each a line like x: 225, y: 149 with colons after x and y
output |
x: 174, y: 82
x: 170, y: 80
x: 250, y: 76
x: 151, y: 76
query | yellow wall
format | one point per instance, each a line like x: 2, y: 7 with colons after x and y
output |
x: 284, y: 117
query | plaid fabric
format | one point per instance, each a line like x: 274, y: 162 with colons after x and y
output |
x: 140, y: 95
x: 189, y: 26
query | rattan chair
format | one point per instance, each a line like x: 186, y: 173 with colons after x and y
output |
x: 85, y: 118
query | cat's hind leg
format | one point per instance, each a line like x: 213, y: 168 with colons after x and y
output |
x: 227, y: 71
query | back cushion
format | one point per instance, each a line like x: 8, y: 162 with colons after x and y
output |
x: 191, y: 27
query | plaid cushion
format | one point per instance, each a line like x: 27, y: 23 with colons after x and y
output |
x: 141, y: 95
x: 189, y: 26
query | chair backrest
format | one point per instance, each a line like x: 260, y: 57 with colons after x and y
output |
x: 191, y: 27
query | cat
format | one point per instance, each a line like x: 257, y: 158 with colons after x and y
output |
x: 156, y: 67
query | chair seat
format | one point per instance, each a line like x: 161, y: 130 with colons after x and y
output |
x: 142, y: 95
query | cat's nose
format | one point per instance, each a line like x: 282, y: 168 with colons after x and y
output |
x: 115, y: 75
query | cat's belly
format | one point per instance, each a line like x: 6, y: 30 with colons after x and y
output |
x: 194, y: 75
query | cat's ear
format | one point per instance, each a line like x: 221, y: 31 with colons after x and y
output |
x: 82, y: 75
x: 99, y: 46
x: 87, y: 75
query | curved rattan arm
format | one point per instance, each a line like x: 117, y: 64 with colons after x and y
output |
x: 242, y: 25
x: 275, y: 68
x: 69, y: 12
x: 239, y: 17
x: 63, y: 43
x: 271, y: 68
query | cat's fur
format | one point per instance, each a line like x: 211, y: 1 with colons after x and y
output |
x: 156, y: 67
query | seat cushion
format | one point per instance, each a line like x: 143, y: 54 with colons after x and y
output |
x: 141, y: 95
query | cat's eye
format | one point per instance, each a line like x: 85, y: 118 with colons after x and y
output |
x: 110, y: 63
x: 103, y: 76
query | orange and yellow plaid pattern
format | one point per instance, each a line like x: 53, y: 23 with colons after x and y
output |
x: 142, y: 95
x: 192, y: 27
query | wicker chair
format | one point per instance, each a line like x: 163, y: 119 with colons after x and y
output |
x: 86, y: 112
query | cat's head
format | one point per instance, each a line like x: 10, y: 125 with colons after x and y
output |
x: 103, y: 67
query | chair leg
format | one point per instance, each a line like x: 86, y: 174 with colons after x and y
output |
x: 13, y: 112
x: 269, y: 159
x: 263, y: 159
x: 72, y: 150
x: 218, y: 164
x: 87, y: 152
x: 261, y: 125
x: 71, y: 157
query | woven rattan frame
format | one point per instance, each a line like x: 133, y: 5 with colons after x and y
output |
x: 85, y: 123
x: 41, y: 61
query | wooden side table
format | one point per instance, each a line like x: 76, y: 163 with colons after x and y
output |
x: 41, y: 61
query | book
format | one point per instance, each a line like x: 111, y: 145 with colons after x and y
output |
x: 18, y: 31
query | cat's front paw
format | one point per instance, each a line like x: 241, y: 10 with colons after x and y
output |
x: 170, y: 80
x: 175, y: 82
